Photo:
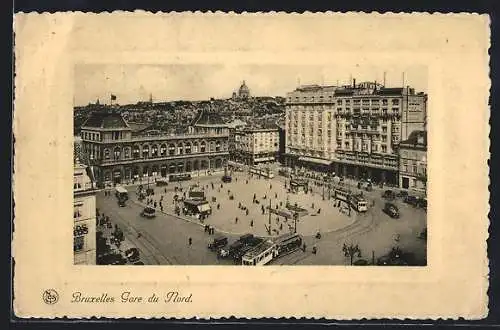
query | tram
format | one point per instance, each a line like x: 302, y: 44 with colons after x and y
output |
x: 261, y: 254
x: 264, y: 172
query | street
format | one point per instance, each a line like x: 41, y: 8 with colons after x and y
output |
x: 164, y: 240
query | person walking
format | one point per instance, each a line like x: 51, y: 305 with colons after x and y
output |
x: 190, y: 241
x: 236, y: 220
x: 251, y: 223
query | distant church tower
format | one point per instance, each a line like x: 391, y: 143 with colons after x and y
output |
x: 151, y: 98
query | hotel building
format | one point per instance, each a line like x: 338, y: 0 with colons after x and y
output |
x: 121, y: 154
x: 352, y: 130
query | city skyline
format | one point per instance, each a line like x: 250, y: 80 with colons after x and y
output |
x: 195, y: 82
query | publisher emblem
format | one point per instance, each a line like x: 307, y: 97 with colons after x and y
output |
x: 50, y: 296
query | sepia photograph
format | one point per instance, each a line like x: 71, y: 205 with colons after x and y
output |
x: 288, y: 165
x: 265, y: 165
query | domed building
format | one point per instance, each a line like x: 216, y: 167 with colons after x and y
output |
x: 244, y: 91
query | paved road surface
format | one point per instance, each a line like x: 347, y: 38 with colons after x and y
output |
x: 164, y: 239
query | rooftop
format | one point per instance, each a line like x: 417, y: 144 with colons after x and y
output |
x: 136, y: 127
x: 208, y: 118
x: 259, y: 249
x: 105, y: 119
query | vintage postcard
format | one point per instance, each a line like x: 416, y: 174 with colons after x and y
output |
x: 208, y: 165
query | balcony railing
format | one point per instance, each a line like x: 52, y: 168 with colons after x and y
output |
x: 113, y: 161
x: 163, y: 137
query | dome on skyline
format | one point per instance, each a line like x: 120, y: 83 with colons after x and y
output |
x: 244, y: 91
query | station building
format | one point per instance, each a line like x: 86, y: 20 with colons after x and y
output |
x: 121, y: 154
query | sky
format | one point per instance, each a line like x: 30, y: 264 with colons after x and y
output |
x: 134, y: 83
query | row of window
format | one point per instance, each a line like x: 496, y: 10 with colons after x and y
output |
x: 343, y: 101
x: 413, y: 169
x: 163, y: 151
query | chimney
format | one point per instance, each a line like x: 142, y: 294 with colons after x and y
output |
x: 354, y: 83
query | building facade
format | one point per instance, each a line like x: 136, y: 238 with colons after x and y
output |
x: 310, y: 127
x: 120, y: 154
x: 413, y: 162
x: 352, y: 130
x: 84, y: 217
x: 256, y: 145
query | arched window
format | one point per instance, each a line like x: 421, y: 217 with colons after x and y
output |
x: 136, y: 152
x: 212, y: 146
x: 154, y: 151
x: 180, y: 149
x: 116, y: 153
x: 203, y: 147
x: 163, y: 150
x: 195, y: 147
x: 217, y: 146
x: 106, y: 153
x: 154, y: 170
x: 145, y: 151
x: 171, y: 149
x: 126, y: 152
x: 187, y: 148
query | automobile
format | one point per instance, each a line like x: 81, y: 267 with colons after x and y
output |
x: 391, y: 210
x: 389, y: 194
x: 412, y: 200
x: 218, y: 242
x: 161, y: 182
x: 133, y: 259
x: 402, y: 194
x: 230, y: 250
x: 117, y: 259
x: 227, y: 179
x: 132, y: 253
x: 422, y: 203
x: 138, y: 263
x: 148, y: 212
x: 360, y: 262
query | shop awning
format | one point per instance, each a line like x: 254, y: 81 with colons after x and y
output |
x: 315, y: 160
x: 263, y: 159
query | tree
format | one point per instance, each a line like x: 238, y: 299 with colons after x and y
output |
x: 351, y: 251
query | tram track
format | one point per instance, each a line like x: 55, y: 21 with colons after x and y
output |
x: 150, y: 247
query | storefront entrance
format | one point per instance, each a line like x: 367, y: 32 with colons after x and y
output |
x: 117, y: 176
